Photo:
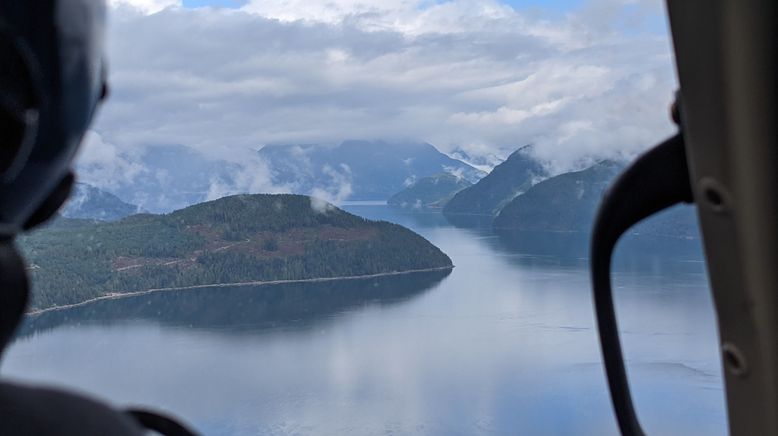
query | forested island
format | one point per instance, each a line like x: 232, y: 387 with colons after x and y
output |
x: 237, y: 239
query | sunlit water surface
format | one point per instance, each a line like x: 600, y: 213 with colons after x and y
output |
x: 504, y: 344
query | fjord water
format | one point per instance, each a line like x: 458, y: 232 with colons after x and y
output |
x: 503, y: 344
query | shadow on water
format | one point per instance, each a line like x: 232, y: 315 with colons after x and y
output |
x: 470, y: 221
x: 251, y: 309
x: 633, y: 252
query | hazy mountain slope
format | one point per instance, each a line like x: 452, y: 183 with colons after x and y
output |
x: 503, y: 184
x: 89, y: 202
x: 176, y: 176
x: 169, y: 177
x: 360, y: 170
x: 484, y: 162
x: 242, y: 238
x: 429, y: 192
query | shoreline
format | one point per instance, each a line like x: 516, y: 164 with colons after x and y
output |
x: 118, y: 295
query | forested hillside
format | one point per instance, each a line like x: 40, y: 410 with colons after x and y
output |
x: 564, y: 203
x: 241, y: 238
x: 568, y: 203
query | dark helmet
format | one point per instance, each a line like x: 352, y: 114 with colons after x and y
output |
x: 52, y: 78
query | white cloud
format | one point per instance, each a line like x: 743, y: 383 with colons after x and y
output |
x: 146, y: 6
x: 105, y: 164
x: 250, y: 174
x: 456, y: 172
x: 330, y: 11
x: 335, y: 192
x: 469, y: 74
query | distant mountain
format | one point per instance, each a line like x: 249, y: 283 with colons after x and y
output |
x: 508, y: 179
x: 237, y: 239
x: 569, y: 202
x: 89, y: 202
x: 359, y: 170
x: 171, y: 177
x: 429, y: 192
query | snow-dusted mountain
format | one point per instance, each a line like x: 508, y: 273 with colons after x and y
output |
x: 484, y: 162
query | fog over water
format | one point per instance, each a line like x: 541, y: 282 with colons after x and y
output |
x: 503, y: 344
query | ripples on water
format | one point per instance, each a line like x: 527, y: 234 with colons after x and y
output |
x: 503, y: 344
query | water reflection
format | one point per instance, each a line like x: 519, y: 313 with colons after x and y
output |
x: 251, y: 309
x: 632, y: 252
x: 504, y: 344
x: 470, y: 221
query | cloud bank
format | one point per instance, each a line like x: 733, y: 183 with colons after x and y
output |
x: 475, y: 75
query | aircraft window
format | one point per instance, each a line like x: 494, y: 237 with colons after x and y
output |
x: 342, y: 217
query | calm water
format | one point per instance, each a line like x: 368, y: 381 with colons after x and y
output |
x: 503, y: 344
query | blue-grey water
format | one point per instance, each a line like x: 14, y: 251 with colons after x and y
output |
x: 503, y: 344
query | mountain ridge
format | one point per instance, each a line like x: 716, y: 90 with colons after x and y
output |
x: 506, y: 181
x: 568, y: 202
x: 360, y: 169
x: 167, y: 177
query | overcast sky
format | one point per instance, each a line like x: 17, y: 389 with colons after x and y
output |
x: 580, y: 79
